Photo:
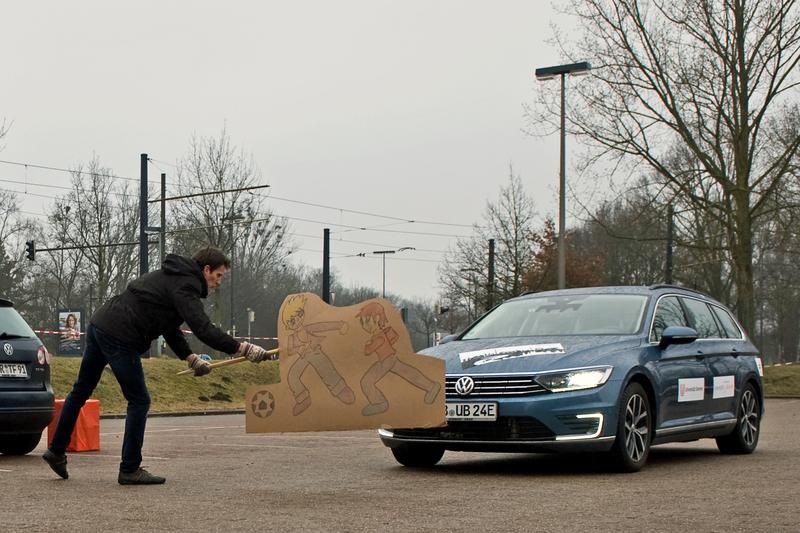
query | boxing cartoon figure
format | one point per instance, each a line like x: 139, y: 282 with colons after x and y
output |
x: 381, y: 344
x: 305, y: 341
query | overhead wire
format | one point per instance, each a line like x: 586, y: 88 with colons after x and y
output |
x: 71, y: 171
x: 268, y: 196
x: 346, y: 228
x: 382, y: 245
x: 366, y: 213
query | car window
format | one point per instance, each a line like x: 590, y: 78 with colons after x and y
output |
x: 669, y: 313
x: 701, y: 319
x: 13, y: 325
x: 729, y: 326
x: 575, y: 314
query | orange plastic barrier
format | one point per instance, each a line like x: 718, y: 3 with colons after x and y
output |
x: 86, y: 435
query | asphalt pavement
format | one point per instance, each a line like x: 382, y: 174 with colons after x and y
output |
x: 221, y: 479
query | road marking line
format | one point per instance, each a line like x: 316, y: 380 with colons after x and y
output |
x: 321, y: 437
x: 255, y: 446
x: 172, y: 430
x: 4, y: 470
x: 117, y: 456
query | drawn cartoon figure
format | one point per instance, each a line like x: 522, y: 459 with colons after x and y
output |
x: 305, y: 341
x: 373, y: 319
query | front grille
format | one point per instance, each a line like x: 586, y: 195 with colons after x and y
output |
x: 496, y: 385
x: 505, y: 428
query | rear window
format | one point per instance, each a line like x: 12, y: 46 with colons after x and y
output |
x: 12, y: 325
x: 732, y: 331
x: 580, y: 314
x: 701, y: 319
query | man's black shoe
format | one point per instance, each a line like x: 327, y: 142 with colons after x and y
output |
x: 140, y: 477
x: 57, y: 462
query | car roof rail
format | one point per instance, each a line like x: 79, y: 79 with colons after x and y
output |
x: 669, y: 286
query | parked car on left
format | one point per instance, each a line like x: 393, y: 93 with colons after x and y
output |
x: 26, y: 396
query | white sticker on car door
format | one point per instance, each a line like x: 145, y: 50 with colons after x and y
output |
x: 691, y: 389
x: 723, y: 387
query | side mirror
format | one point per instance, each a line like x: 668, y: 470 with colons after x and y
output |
x: 448, y: 338
x: 677, y: 335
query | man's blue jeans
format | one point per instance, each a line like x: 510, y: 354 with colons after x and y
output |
x: 102, y: 349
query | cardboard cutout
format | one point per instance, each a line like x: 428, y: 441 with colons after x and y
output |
x: 346, y: 368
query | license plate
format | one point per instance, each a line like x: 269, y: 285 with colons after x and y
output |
x: 13, y: 370
x: 482, y: 411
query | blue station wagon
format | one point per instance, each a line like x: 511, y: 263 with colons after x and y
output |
x: 602, y: 369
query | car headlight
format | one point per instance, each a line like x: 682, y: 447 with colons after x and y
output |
x: 574, y: 379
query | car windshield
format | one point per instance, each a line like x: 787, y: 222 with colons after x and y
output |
x: 12, y: 325
x: 574, y: 314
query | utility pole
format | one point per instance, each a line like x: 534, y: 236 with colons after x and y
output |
x: 162, y: 245
x: 233, y: 285
x: 143, y: 244
x: 326, y: 265
x: 490, y: 283
x: 231, y: 220
x: 143, y: 266
x: 668, y: 263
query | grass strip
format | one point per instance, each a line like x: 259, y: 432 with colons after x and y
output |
x: 224, y: 388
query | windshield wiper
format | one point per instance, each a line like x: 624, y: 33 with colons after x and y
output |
x: 5, y: 335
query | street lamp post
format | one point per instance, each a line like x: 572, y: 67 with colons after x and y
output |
x: 384, y: 253
x: 549, y: 73
x: 231, y: 219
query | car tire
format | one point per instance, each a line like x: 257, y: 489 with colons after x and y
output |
x: 634, y: 430
x: 744, y: 437
x: 417, y: 455
x: 19, y: 444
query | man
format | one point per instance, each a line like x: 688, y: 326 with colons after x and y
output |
x: 155, y: 304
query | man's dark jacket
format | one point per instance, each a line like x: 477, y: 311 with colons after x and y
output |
x: 157, y: 304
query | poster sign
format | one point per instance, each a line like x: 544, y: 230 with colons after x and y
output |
x: 70, y: 340
x: 346, y: 368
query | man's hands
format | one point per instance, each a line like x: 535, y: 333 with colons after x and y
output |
x: 200, y: 367
x: 255, y: 354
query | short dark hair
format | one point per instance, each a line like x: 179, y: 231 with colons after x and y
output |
x: 213, y: 257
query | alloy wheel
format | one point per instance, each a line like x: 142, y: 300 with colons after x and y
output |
x: 636, y: 428
x: 749, y: 422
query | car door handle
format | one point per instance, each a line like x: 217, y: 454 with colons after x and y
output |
x: 734, y: 352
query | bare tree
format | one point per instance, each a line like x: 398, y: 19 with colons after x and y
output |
x: 99, y: 215
x: 61, y: 267
x: 509, y: 220
x: 703, y: 79
x: 12, y: 231
x: 422, y: 322
x: 237, y: 222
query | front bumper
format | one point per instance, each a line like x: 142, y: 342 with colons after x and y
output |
x: 547, y: 422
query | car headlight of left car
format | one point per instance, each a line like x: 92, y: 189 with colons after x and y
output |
x: 571, y: 380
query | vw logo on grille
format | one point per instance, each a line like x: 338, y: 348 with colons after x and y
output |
x: 8, y: 349
x: 464, y: 385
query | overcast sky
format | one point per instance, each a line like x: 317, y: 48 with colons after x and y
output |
x: 411, y: 109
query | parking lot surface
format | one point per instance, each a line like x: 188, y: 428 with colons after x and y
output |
x: 221, y: 479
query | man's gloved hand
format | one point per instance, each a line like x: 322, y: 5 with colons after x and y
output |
x: 253, y: 353
x: 200, y: 367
